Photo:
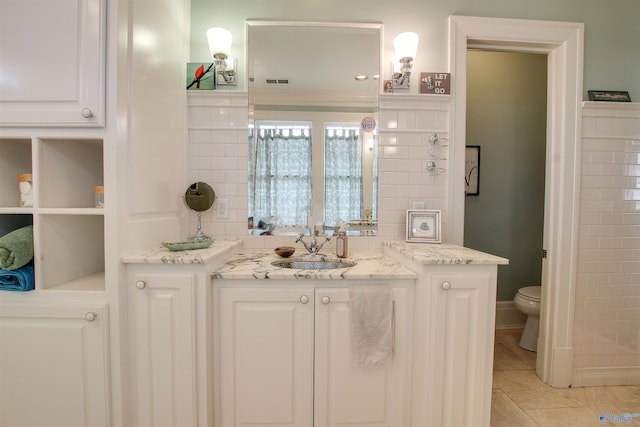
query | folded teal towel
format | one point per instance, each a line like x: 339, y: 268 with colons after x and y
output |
x: 21, y: 279
x: 16, y: 248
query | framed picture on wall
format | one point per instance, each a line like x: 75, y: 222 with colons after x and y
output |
x: 201, y: 76
x: 472, y: 170
x: 609, y: 95
x: 423, y: 226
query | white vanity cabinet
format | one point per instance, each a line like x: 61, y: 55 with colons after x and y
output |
x: 54, y: 365
x: 463, y: 301
x: 53, y: 62
x: 283, y: 356
x: 170, y: 335
x: 347, y: 395
x: 163, y: 348
x: 453, y: 335
x: 266, y: 356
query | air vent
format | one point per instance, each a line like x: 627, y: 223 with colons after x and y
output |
x: 278, y: 81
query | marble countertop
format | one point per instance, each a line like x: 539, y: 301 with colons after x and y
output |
x: 429, y: 253
x: 247, y: 264
x: 162, y: 255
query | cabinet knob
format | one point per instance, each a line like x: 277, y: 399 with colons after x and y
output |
x: 141, y: 284
x: 90, y: 316
x: 446, y: 285
x: 325, y: 300
x: 86, y: 113
x: 304, y: 299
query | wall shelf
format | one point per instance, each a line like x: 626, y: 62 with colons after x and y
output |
x: 69, y: 242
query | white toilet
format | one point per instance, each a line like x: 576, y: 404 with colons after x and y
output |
x: 527, y: 300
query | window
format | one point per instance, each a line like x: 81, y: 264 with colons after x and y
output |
x: 293, y: 181
x: 343, y: 175
x: 280, y: 173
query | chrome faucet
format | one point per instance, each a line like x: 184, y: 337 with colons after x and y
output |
x: 312, y: 247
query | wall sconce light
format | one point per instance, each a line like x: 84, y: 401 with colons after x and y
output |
x: 220, y: 46
x: 406, y: 46
x: 370, y: 144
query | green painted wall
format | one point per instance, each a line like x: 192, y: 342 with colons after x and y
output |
x: 612, y: 33
x: 506, y: 117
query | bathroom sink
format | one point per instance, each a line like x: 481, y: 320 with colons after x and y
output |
x: 313, y: 264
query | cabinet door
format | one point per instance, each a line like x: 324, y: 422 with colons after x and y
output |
x: 464, y: 313
x: 54, y: 366
x: 348, y: 395
x: 53, y: 66
x: 266, y: 357
x: 163, y: 345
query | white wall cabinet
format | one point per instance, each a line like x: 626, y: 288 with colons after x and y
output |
x: 54, y: 365
x: 163, y: 347
x: 53, y: 62
x: 58, y: 123
x: 285, y: 359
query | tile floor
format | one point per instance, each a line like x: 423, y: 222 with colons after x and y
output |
x: 520, y: 399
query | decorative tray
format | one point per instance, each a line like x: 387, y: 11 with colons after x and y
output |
x: 185, y: 246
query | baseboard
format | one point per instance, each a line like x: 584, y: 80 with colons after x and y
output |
x: 508, y: 316
x: 588, y: 377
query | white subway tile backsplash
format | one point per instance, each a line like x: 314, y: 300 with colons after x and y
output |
x: 197, y: 136
x: 199, y: 163
x: 218, y: 155
x: 396, y: 152
x: 407, y: 120
x: 198, y: 117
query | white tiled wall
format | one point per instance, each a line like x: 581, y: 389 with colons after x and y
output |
x: 607, y: 315
x: 218, y: 156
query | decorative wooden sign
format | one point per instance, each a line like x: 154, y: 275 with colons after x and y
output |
x: 435, y: 83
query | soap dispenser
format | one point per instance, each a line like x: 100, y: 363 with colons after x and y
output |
x: 342, y: 244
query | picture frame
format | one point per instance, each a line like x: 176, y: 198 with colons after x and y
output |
x: 609, y: 95
x: 201, y: 76
x: 472, y: 170
x: 423, y: 225
x: 435, y: 83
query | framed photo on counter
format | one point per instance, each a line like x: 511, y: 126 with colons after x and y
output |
x: 423, y: 226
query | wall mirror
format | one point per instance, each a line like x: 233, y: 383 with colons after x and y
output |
x: 313, y: 93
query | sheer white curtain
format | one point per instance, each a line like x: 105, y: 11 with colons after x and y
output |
x: 280, y: 175
x: 342, y: 175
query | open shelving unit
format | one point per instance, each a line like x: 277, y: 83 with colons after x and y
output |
x: 68, y: 231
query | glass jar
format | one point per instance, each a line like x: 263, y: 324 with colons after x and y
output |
x: 25, y: 185
x: 98, y: 192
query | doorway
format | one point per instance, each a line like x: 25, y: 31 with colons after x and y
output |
x: 506, y: 121
x: 562, y: 42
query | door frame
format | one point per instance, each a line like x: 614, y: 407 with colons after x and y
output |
x: 563, y: 42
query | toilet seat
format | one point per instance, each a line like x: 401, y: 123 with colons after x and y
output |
x: 530, y: 293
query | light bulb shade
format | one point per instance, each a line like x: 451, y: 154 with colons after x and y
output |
x: 405, y: 45
x: 219, y: 41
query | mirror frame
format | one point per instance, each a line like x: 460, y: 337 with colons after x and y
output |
x: 276, y: 23
x: 203, y: 204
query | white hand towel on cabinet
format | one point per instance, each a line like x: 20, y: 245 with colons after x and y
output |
x: 371, y: 308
